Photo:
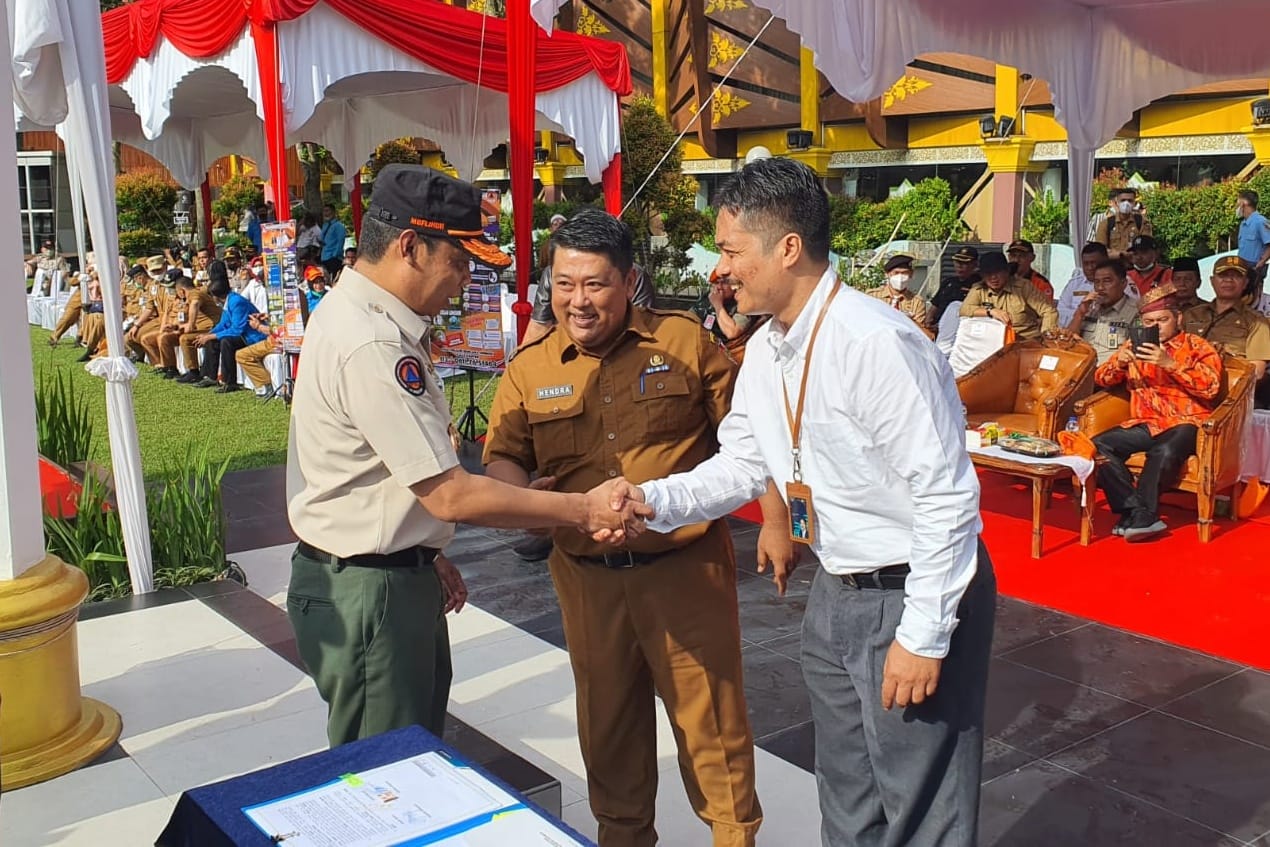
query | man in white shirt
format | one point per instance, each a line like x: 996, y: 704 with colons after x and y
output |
x: 1082, y: 282
x: 901, y: 610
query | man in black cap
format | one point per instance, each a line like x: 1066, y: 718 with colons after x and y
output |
x: 899, y: 273
x: 1021, y: 254
x: 1008, y: 299
x: 1146, y: 271
x: 953, y: 289
x: 1186, y: 281
x: 374, y: 485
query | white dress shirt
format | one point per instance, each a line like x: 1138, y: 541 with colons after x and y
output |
x: 883, y: 451
x: 258, y: 293
x: 1076, y: 289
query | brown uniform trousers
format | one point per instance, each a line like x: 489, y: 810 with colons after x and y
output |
x: 669, y: 624
x: 208, y: 316
x: 1031, y: 312
x: 94, y: 330
x: 251, y: 359
x: 148, y: 337
x: 70, y: 315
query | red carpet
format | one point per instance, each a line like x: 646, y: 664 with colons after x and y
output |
x: 1211, y: 597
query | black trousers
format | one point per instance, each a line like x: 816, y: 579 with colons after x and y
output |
x: 218, y: 354
x: 1166, y: 454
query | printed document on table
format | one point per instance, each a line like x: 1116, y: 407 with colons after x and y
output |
x: 430, y: 799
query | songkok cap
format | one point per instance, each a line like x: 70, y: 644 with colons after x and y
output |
x: 994, y: 262
x: 1186, y: 263
x: 1159, y: 299
x: 966, y: 254
x: 899, y: 260
x: 1227, y: 264
x: 156, y: 265
x: 434, y: 204
x: 1142, y: 242
x: 1020, y: 245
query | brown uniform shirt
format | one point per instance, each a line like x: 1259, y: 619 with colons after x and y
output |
x: 1117, y: 233
x: 649, y: 408
x: 1241, y: 331
x: 1031, y: 312
x: 909, y: 302
x: 208, y: 312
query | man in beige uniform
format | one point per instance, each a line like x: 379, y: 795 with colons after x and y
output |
x: 374, y: 485
x: 1103, y: 318
x: 896, y: 293
x: 1008, y: 299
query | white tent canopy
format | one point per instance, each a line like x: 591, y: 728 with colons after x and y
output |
x: 1101, y: 58
x: 343, y: 88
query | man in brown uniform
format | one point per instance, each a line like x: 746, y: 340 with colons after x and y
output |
x: 74, y: 308
x: 1229, y: 323
x: 151, y: 305
x: 899, y: 272
x: 614, y: 390
x: 1009, y: 299
x: 192, y: 314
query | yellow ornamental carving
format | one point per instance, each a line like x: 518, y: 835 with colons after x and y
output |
x: 589, y: 23
x: 902, y: 89
x: 726, y: 104
x: 723, y: 50
x: 713, y: 6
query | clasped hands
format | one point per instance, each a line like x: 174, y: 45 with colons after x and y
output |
x: 616, y: 512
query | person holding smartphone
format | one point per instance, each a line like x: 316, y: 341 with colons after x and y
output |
x: 1173, y: 380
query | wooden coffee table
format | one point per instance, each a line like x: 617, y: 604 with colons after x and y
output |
x: 1042, y: 477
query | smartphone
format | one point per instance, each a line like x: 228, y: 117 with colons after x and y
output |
x: 1140, y: 335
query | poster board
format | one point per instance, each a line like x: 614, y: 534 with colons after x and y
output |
x: 468, y: 333
x: 286, y: 313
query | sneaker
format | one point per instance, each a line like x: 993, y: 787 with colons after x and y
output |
x: 1145, y: 533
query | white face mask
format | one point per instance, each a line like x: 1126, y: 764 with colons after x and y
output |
x: 899, y: 281
x: 1125, y: 207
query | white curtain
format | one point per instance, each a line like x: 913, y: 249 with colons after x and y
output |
x: 60, y: 78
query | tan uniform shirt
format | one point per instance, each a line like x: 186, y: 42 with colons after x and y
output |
x: 1031, y: 312
x: 646, y: 410
x: 369, y: 420
x: 208, y: 312
x: 1118, y: 233
x: 908, y: 302
x: 1241, y: 331
x: 1107, y: 328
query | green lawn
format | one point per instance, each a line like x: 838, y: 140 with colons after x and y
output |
x: 171, y: 417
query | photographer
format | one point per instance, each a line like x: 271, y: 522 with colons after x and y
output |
x: 1172, y: 384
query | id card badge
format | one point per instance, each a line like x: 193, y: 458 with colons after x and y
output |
x: 802, y: 515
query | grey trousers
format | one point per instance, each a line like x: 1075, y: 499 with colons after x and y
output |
x: 907, y: 777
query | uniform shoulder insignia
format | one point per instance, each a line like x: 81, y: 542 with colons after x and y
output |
x: 409, y: 373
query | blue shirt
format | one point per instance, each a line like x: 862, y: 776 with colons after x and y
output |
x: 253, y: 232
x: 333, y: 235
x: 314, y: 300
x: 1254, y: 235
x: 233, y: 320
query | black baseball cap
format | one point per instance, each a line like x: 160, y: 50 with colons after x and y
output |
x: 434, y: 204
x: 993, y: 262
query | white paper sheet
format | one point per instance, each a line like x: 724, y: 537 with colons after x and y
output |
x: 429, y: 799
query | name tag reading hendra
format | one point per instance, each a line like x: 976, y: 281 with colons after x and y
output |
x: 554, y: 391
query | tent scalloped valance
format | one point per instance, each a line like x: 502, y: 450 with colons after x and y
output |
x: 443, y: 36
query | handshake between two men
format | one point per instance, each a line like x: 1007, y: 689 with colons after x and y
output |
x: 616, y: 512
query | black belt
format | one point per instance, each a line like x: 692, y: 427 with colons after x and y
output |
x: 620, y: 559
x: 408, y: 558
x: 888, y: 578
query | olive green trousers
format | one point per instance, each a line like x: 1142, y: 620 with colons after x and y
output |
x: 376, y: 643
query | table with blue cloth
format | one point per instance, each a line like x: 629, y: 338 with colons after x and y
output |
x: 212, y: 816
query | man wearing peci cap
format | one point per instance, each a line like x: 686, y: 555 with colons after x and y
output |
x: 953, y: 289
x: 1186, y: 281
x: 896, y: 293
x: 1172, y: 388
x: 1229, y: 323
x: 1008, y: 299
x: 374, y: 485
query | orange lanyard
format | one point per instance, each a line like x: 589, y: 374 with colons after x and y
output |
x: 795, y: 418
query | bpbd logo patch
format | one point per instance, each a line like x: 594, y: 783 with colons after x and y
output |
x: 410, y: 375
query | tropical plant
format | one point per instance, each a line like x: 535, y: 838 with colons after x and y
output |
x: 400, y: 151
x: 1107, y: 181
x: 927, y: 212
x: 1046, y: 220
x: 63, y: 421
x: 141, y: 242
x: 145, y: 199
x: 238, y: 193
x: 1194, y: 221
x: 312, y: 157
x: 92, y: 540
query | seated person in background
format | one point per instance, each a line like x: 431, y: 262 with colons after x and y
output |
x: 308, y: 245
x: 253, y: 286
x: 1229, y: 323
x: 252, y: 357
x: 717, y: 310
x: 232, y: 333
x: 953, y: 289
x: 315, y: 279
x: 74, y: 307
x: 193, y: 313
x: 1186, y: 281
x: 1022, y: 255
x: 350, y: 257
x: 1006, y: 298
x: 1103, y: 318
x: 899, y: 272
x: 1147, y: 272
x: 233, y: 260
x: 1081, y: 283
x: 94, y: 317
x: 1172, y: 387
